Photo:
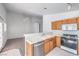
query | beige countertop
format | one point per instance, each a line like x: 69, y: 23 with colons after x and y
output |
x: 35, y: 38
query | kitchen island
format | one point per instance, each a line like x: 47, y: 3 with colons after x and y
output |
x: 40, y: 44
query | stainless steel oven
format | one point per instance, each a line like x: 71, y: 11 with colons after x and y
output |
x: 69, y: 43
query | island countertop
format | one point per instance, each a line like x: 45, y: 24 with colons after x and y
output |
x: 37, y: 37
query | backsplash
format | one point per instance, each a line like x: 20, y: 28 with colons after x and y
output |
x: 57, y: 32
x: 60, y: 32
x: 70, y: 32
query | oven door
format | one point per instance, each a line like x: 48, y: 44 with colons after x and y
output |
x: 69, y: 45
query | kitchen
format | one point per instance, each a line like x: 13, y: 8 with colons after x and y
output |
x: 41, y: 29
x: 41, y: 44
x: 34, y: 29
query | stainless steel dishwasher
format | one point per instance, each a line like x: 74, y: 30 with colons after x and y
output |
x: 38, y: 49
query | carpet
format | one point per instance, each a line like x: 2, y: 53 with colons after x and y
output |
x: 12, y: 52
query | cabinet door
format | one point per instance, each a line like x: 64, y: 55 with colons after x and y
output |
x: 29, y: 49
x: 78, y: 23
x: 78, y: 47
x: 70, y: 20
x: 59, y: 23
x: 77, y: 26
x: 54, y: 26
x: 58, y: 41
x: 46, y: 47
x: 78, y: 51
x: 77, y: 19
x: 51, y: 44
x: 54, y: 43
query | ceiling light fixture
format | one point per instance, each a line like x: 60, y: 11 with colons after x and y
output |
x: 69, y: 6
x: 45, y: 8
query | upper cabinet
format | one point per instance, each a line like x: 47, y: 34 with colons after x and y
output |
x: 77, y: 19
x: 70, y: 20
x: 69, y: 27
x: 66, y: 24
x: 56, y: 25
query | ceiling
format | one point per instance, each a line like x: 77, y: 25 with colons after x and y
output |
x: 39, y: 9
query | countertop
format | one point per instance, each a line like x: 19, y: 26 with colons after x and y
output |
x: 38, y: 37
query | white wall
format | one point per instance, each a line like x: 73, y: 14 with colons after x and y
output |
x: 19, y: 24
x: 2, y: 11
x: 3, y: 17
x: 54, y: 17
x: 39, y: 21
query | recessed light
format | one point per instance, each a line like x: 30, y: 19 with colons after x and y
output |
x: 45, y: 8
x: 69, y: 6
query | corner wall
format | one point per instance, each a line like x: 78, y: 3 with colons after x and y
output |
x: 19, y: 24
x: 3, y: 16
x: 2, y: 11
x: 47, y: 19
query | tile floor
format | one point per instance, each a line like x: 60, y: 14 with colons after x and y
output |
x: 59, y: 52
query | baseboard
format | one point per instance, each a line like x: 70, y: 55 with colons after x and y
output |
x: 17, y: 38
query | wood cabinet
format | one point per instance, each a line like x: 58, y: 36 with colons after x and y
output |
x: 78, y: 26
x: 29, y: 49
x: 78, y: 47
x: 52, y: 43
x: 49, y: 44
x: 78, y: 23
x: 54, y: 26
x: 46, y: 46
x: 77, y: 19
x: 70, y: 20
x: 58, y: 41
x: 57, y: 24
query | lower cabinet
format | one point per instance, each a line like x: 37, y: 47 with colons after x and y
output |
x: 58, y: 41
x: 49, y: 44
x: 46, y: 47
x: 78, y: 47
x: 54, y: 42
x: 29, y: 49
x: 78, y: 51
